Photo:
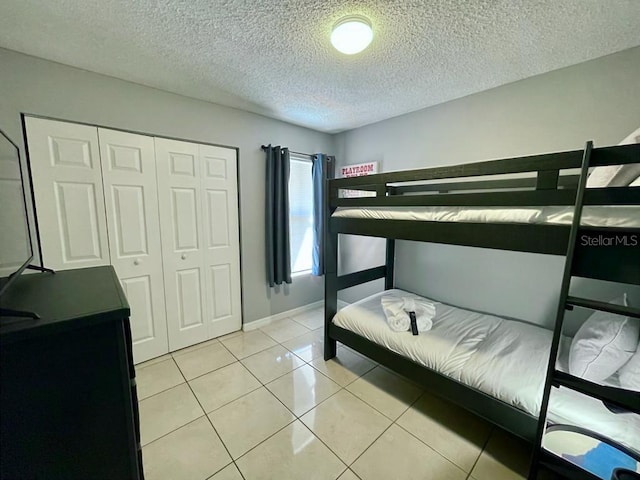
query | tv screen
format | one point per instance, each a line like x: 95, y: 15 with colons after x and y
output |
x: 16, y: 251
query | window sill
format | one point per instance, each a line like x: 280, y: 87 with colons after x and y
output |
x: 303, y: 273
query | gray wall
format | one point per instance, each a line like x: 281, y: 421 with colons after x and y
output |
x: 560, y: 110
x: 37, y: 86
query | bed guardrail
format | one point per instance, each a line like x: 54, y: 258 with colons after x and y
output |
x: 363, y: 276
x: 544, y: 186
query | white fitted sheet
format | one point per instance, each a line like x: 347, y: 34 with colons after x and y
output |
x: 598, y: 216
x: 503, y: 358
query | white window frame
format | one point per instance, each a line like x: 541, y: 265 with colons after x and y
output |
x: 307, y: 159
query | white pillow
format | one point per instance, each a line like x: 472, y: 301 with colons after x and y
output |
x: 613, y: 175
x: 629, y: 374
x: 603, y: 344
x: 616, y: 175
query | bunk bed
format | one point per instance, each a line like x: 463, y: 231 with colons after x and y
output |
x: 522, y: 204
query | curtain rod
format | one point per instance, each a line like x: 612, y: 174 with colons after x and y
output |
x: 264, y: 147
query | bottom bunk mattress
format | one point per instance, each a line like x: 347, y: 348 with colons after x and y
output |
x: 504, y: 358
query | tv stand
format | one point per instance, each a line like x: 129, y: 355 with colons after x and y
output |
x: 67, y: 382
x: 19, y: 314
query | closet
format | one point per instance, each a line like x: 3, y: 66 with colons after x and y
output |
x: 163, y: 212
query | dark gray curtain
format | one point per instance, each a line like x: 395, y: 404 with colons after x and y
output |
x: 321, y: 170
x: 277, y: 216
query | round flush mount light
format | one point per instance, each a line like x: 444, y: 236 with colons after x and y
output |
x: 352, y: 34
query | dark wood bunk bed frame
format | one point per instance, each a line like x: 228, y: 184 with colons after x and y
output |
x: 544, y: 186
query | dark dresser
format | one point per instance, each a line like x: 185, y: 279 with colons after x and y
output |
x: 68, y: 401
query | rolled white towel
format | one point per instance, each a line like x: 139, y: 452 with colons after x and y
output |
x: 425, y: 312
x: 397, y: 318
x: 396, y: 310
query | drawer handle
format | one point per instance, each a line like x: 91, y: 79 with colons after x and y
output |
x: 137, y: 261
x: 183, y: 256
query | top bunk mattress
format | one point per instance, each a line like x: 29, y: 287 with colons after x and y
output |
x: 622, y: 216
x: 506, y: 359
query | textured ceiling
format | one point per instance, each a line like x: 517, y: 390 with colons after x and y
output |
x: 273, y: 57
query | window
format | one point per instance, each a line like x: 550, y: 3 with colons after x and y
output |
x: 300, y: 215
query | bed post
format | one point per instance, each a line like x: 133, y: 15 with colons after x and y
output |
x: 330, y: 271
x: 330, y: 291
x: 389, y: 263
x: 390, y: 255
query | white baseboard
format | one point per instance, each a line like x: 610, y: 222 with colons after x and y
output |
x: 263, y: 322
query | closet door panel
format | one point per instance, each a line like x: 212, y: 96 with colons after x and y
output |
x: 143, y: 330
x: 67, y: 184
x: 182, y: 237
x: 131, y: 197
x: 222, y: 249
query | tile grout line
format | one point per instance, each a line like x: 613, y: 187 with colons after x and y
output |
x: 400, y: 426
x: 393, y: 422
x: 206, y: 414
x: 305, y: 363
x: 195, y: 347
x: 224, y: 405
x: 486, y: 442
x: 440, y: 454
x: 279, y: 376
x: 183, y: 377
x: 306, y: 411
x: 266, y: 438
x: 327, y: 446
x: 178, y: 428
x: 373, y: 406
x: 240, y: 361
x: 251, y: 373
x: 292, y: 338
x: 215, y: 369
x: 161, y: 391
x: 296, y: 417
x: 436, y: 451
x: 299, y: 418
x: 172, y: 431
x: 215, y: 431
x: 208, y: 419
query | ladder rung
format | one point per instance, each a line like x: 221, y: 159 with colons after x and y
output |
x: 564, y: 467
x: 603, y: 306
x: 627, y: 399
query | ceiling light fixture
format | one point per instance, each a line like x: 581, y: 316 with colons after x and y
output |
x: 352, y: 34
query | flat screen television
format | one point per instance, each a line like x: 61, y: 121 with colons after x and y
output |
x: 16, y: 248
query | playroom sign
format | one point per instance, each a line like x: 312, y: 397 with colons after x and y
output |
x: 358, y: 171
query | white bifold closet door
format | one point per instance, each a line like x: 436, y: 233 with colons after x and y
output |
x: 96, y: 201
x: 164, y: 213
x: 198, y: 200
x: 222, y: 240
x: 67, y: 183
x: 133, y: 225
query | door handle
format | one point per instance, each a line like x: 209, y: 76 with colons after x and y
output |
x: 137, y: 261
x: 183, y: 256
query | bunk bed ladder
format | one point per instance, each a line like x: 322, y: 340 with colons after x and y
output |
x: 562, y: 303
x: 623, y: 399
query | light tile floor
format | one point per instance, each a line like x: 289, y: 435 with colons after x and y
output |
x: 265, y: 405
